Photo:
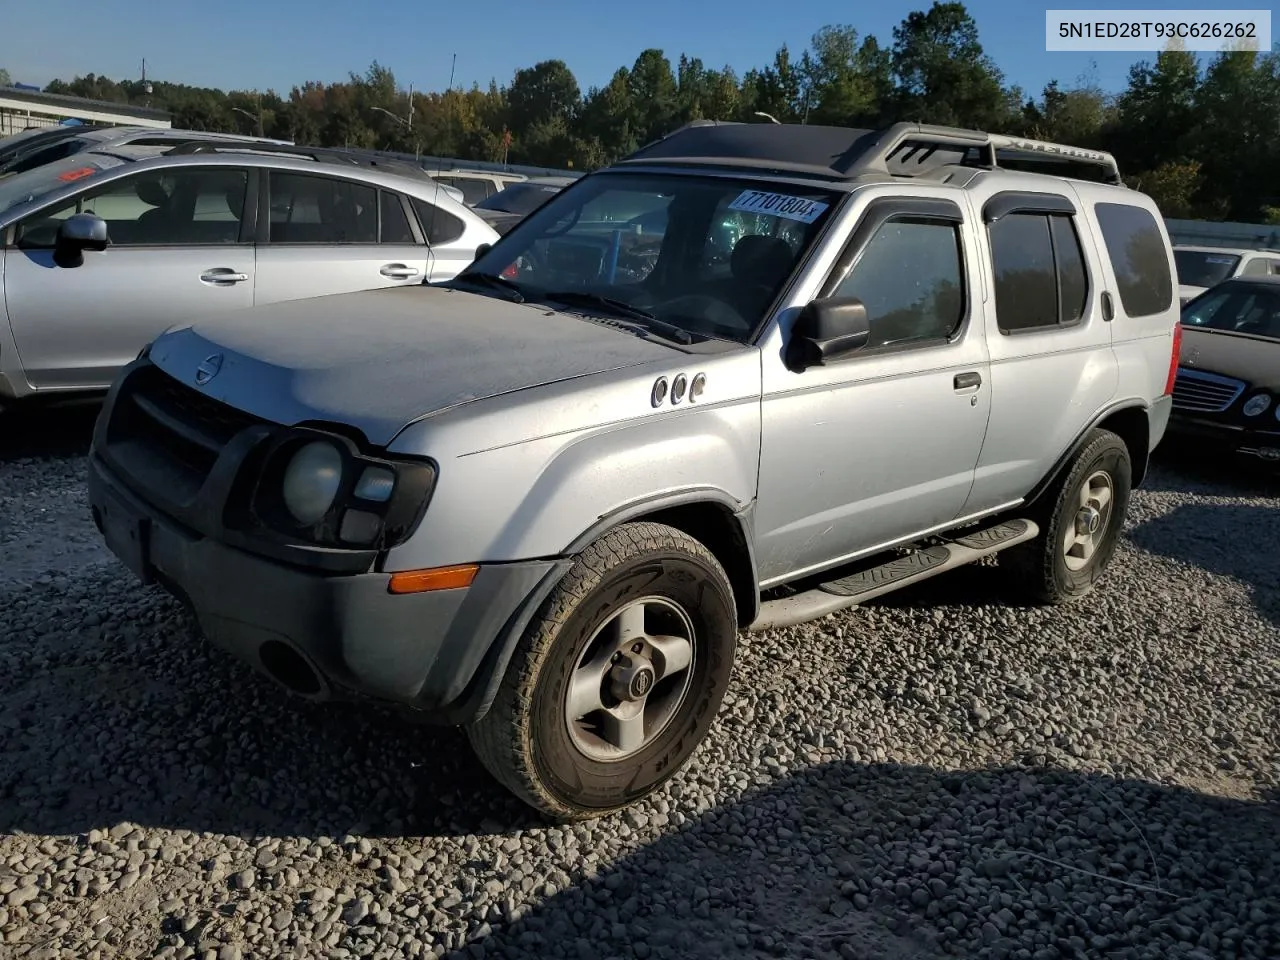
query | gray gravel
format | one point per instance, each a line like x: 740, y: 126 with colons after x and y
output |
x: 942, y: 774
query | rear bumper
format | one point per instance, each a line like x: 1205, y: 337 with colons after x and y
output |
x: 441, y: 652
x: 1259, y: 445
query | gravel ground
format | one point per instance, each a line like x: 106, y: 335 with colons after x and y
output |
x: 941, y: 774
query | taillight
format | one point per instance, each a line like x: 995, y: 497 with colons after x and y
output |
x: 1173, y: 360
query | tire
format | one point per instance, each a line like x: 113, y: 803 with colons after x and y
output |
x: 1042, y: 568
x: 570, y: 770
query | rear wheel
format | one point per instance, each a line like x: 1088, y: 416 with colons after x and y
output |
x: 618, y: 679
x: 1080, y: 522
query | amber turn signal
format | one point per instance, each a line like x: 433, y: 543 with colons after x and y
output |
x: 438, y: 578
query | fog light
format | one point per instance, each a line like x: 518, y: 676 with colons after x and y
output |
x: 360, y: 527
x: 1256, y: 405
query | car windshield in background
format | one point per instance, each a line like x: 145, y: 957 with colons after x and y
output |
x: 519, y: 198
x: 1199, y: 268
x: 1242, y: 309
x: 34, y: 184
x: 703, y: 255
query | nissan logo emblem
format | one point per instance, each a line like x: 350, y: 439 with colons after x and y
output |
x: 208, y: 369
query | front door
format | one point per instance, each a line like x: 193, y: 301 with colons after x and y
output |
x: 177, y: 252
x: 328, y: 235
x: 880, y: 446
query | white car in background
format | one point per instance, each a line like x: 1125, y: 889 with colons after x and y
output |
x: 102, y: 251
x: 1200, y: 268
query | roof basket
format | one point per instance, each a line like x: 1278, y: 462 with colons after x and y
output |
x: 845, y: 153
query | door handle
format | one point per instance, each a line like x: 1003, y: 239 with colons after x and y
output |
x: 967, y: 381
x: 219, y: 275
x: 398, y: 271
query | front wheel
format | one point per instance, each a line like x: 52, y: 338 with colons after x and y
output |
x: 618, y: 678
x: 1080, y: 522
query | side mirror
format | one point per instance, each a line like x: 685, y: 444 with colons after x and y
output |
x: 78, y: 233
x: 482, y: 250
x: 828, y: 329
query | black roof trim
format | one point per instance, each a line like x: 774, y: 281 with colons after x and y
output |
x: 848, y: 153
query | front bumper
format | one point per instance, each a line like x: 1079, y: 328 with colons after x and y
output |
x: 441, y: 652
x: 1259, y: 445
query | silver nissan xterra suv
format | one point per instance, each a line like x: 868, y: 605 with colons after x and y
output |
x: 748, y: 376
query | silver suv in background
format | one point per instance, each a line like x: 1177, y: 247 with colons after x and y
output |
x: 1200, y: 268
x: 540, y: 500
x: 103, y: 250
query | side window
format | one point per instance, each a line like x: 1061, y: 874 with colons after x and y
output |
x: 310, y: 209
x: 1138, y: 256
x: 394, y: 224
x: 910, y: 277
x: 438, y: 226
x: 1040, y: 278
x: 189, y: 206
x: 1275, y: 268
x: 473, y: 189
x: 1257, y: 267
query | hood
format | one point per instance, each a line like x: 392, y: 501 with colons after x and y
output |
x: 500, y: 220
x: 378, y: 360
x: 1256, y: 360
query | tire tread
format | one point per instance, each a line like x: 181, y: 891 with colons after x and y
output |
x: 501, y: 738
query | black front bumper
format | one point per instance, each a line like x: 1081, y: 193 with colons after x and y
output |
x: 1262, y: 446
x: 332, y: 632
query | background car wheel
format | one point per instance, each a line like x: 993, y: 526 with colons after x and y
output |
x: 618, y: 678
x: 1080, y: 523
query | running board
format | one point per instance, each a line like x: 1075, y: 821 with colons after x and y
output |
x: 920, y: 564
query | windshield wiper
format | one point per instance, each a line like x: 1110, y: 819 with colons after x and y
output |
x: 490, y: 280
x: 620, y: 308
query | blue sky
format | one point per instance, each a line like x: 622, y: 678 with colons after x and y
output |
x: 237, y: 44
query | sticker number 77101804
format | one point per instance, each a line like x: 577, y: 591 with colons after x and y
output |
x: 779, y: 205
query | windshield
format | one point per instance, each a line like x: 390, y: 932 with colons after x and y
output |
x: 706, y: 255
x: 519, y: 198
x: 1239, y: 309
x: 21, y: 187
x: 1201, y: 268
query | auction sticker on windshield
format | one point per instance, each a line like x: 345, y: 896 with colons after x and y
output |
x: 779, y: 205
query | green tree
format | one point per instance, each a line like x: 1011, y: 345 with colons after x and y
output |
x: 943, y: 74
x: 5, y: 79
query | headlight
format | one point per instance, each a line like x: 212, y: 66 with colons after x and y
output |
x: 313, y: 487
x: 1256, y: 405
x: 311, y: 482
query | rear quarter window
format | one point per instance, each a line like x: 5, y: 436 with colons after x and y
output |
x: 438, y: 226
x: 1138, y: 257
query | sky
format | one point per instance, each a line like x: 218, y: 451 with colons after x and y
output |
x: 264, y: 44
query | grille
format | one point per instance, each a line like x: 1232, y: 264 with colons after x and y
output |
x: 170, y: 434
x: 1198, y: 392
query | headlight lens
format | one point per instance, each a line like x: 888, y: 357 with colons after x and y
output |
x: 1257, y: 405
x: 311, y: 482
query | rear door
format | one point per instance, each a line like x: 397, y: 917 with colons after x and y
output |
x: 1052, y: 366
x: 451, y: 250
x: 327, y: 234
x: 179, y: 249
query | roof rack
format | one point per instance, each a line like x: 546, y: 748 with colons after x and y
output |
x: 846, y: 153
x: 318, y: 154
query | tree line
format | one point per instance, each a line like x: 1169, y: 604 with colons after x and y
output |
x: 1204, y: 142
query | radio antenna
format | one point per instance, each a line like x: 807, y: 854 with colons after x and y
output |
x: 435, y: 206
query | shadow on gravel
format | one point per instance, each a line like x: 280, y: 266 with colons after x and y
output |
x: 38, y: 431
x: 1229, y: 540
x: 892, y: 862
x: 136, y: 719
x: 1180, y: 468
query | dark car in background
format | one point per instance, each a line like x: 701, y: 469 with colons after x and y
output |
x: 504, y: 209
x: 1227, y: 393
